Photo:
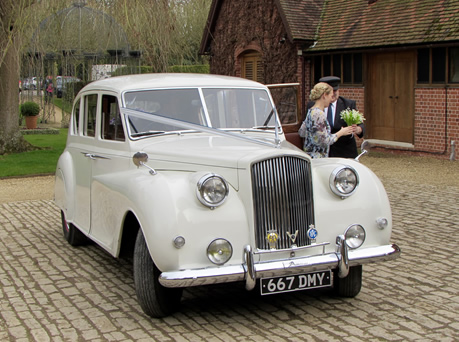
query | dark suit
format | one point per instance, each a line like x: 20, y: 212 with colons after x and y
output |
x: 344, y: 147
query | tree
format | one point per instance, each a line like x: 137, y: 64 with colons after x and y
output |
x: 11, y: 25
x: 167, y: 32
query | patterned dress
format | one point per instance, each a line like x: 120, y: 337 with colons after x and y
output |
x: 316, y: 131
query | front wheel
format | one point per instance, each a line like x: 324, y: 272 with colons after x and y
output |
x: 349, y: 286
x: 72, y: 234
x: 154, y: 299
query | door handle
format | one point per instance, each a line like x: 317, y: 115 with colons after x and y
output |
x: 93, y: 156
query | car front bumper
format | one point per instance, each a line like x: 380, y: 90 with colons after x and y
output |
x: 250, y: 271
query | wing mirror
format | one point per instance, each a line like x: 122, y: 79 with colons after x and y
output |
x: 365, y: 148
x: 139, y: 159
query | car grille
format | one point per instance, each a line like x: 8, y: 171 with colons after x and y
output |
x: 282, y: 196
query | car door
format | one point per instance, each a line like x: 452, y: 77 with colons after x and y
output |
x: 109, y: 161
x: 82, y: 149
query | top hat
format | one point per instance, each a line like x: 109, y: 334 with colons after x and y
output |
x: 333, y: 81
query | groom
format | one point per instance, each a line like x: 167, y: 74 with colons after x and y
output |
x: 345, y: 147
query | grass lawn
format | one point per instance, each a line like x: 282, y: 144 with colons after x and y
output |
x: 65, y: 106
x: 37, y: 162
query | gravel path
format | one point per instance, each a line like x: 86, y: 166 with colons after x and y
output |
x: 26, y: 189
x: 421, y: 170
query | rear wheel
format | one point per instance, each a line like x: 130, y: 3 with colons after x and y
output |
x: 71, y: 233
x: 155, y: 300
x: 349, y: 286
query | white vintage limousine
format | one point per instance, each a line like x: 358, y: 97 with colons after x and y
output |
x: 192, y: 177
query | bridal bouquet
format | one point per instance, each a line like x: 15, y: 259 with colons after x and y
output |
x: 352, y: 117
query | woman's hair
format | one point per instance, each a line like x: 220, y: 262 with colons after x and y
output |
x: 320, y: 89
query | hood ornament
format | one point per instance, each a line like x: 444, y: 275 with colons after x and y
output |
x: 293, y: 237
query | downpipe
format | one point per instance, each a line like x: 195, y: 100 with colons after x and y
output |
x: 452, y: 156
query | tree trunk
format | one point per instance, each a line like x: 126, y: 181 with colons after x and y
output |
x: 11, y: 139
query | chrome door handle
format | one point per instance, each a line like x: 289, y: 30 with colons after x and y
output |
x: 93, y: 156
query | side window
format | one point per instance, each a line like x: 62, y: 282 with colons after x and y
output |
x: 454, y: 65
x: 76, y: 118
x: 287, y: 102
x: 349, y: 67
x: 438, y: 65
x: 112, y: 128
x: 90, y: 110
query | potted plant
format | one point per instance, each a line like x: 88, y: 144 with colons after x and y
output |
x: 30, y: 111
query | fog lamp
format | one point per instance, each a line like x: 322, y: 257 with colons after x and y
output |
x: 354, y: 236
x: 219, y: 251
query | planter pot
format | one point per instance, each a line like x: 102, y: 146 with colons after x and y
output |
x: 31, y: 121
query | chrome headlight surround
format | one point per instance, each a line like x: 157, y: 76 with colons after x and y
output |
x: 212, y: 190
x: 344, y: 181
x: 354, y: 236
x: 219, y: 251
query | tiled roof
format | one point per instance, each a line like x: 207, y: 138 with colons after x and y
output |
x: 351, y: 24
x: 301, y: 17
x: 348, y: 24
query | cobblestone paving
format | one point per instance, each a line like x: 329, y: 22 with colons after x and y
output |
x: 50, y: 291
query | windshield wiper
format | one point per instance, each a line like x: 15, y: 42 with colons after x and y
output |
x: 141, y: 134
x: 269, y: 117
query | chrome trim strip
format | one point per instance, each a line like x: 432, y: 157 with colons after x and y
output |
x: 293, y: 249
x: 250, y: 272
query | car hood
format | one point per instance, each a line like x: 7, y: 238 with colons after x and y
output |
x: 207, y: 150
x: 193, y: 152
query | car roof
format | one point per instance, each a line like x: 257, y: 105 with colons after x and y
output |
x: 149, y: 81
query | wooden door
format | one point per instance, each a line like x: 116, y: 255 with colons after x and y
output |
x: 390, y: 97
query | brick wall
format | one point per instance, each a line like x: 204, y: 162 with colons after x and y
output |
x: 436, y: 120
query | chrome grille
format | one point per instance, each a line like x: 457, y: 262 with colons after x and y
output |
x: 282, y: 197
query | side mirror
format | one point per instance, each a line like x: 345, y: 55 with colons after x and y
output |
x: 139, y: 159
x: 365, y: 148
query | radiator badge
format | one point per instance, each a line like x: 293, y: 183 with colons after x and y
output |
x: 293, y: 237
x: 312, y: 233
x: 272, y: 238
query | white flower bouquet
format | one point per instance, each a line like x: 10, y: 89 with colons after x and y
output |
x: 352, y: 117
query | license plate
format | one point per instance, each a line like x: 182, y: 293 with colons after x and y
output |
x: 296, y: 282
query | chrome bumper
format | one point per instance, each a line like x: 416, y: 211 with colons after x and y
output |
x: 250, y: 271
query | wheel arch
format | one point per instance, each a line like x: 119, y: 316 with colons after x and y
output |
x: 131, y: 226
x: 64, y: 185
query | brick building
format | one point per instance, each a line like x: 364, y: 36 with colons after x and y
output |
x: 399, y: 59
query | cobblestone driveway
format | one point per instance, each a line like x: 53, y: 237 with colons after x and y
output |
x: 50, y: 291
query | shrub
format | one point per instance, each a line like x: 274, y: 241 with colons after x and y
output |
x: 132, y: 70
x: 29, y: 108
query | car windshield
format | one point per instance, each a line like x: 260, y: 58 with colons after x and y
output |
x: 227, y: 108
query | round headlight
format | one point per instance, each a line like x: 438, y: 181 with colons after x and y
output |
x: 212, y: 190
x: 354, y: 236
x: 219, y: 251
x: 343, y: 181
